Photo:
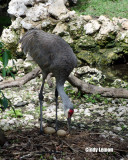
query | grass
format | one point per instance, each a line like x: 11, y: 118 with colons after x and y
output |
x: 110, y: 8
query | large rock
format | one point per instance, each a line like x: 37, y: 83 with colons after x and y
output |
x: 10, y: 38
x: 106, y: 27
x: 57, y: 8
x: 60, y: 29
x: 17, y: 8
x: 94, y: 40
x: 36, y: 13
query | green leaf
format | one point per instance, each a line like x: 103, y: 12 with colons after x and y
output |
x: 1, y: 45
x: 5, y: 102
x: 4, y: 72
x: 5, y: 58
x: 12, y: 75
x: 1, y: 59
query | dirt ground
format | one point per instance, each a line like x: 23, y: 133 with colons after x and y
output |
x: 24, y: 144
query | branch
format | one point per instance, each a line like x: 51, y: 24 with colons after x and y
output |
x: 20, y: 81
x: 91, y: 89
x: 81, y: 85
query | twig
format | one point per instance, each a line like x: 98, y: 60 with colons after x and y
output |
x: 72, y: 149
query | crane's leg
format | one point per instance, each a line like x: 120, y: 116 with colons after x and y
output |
x: 56, y: 99
x: 41, y: 98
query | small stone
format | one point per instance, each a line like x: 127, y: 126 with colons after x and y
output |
x: 61, y: 133
x: 92, y: 27
x: 117, y: 128
x: 21, y: 104
x: 49, y: 130
x: 87, y: 17
x: 125, y: 25
x: 27, y: 67
x: 87, y: 112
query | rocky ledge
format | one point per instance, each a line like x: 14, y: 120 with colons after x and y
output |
x: 95, y: 40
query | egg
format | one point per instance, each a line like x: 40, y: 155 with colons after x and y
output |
x: 49, y: 130
x: 61, y: 133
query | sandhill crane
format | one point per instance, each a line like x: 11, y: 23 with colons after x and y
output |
x: 53, y: 55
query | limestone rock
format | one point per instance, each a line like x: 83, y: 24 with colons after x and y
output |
x: 125, y: 25
x: 45, y: 23
x: 9, y: 36
x: 92, y: 27
x: 57, y: 8
x: 37, y: 12
x: 27, y: 67
x: 123, y: 36
x: 87, y: 18
x: 107, y: 26
x: 26, y: 25
x: 29, y: 2
x: 68, y: 16
x: 16, y: 24
x: 60, y: 29
x: 43, y: 1
x: 17, y: 8
x: 76, y: 26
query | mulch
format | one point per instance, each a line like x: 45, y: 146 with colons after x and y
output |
x: 24, y: 144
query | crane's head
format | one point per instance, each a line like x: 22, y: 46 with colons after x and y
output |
x: 68, y: 114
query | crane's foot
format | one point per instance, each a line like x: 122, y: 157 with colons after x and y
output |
x: 41, y: 131
x: 56, y: 126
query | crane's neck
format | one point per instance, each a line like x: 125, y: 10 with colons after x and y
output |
x: 66, y: 101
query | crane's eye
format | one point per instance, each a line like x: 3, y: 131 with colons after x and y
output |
x: 70, y: 112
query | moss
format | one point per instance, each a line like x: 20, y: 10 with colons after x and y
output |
x: 102, y: 57
x: 107, y: 41
x: 86, y: 42
x: 86, y: 56
x: 75, y: 30
x: 109, y: 56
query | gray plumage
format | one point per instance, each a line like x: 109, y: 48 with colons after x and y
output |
x: 53, y: 55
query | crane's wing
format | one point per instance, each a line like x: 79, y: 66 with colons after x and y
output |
x: 27, y: 42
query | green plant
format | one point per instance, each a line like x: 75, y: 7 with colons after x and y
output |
x: 17, y: 113
x: 3, y: 101
x: 110, y: 8
x: 95, y: 98
x: 5, y: 55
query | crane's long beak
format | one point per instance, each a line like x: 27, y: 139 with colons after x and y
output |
x: 69, y: 123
